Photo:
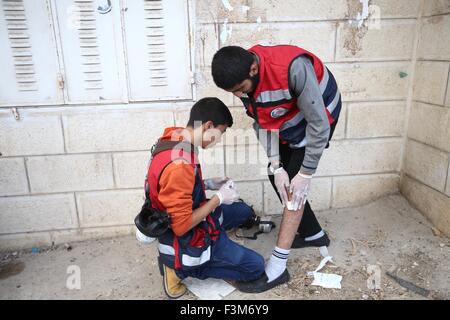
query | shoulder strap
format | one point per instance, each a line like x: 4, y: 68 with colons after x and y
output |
x: 166, y: 145
x: 170, y: 145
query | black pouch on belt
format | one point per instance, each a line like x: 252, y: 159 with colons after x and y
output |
x: 152, y: 222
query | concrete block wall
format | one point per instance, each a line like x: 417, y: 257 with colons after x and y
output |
x: 426, y: 172
x: 372, y: 66
x: 76, y: 172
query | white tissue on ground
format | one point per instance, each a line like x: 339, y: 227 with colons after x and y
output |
x: 209, y: 289
x: 325, y: 280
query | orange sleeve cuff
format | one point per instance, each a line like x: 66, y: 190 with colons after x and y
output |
x: 175, y: 194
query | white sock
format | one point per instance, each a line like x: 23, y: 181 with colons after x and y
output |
x: 277, y: 263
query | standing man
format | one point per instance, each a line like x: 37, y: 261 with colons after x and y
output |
x: 295, y: 103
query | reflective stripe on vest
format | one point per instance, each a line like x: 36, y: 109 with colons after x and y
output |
x: 271, y: 97
x: 166, y: 249
x: 300, y: 115
x: 274, y: 96
x: 186, y: 260
x: 196, y: 261
x: 331, y: 107
x: 184, y: 251
x: 273, y: 105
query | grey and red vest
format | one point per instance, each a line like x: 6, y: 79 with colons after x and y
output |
x: 192, y: 249
x: 273, y: 104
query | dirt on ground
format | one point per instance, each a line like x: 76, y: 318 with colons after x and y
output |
x: 387, y: 236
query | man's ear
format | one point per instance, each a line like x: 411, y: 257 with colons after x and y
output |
x: 254, y: 69
x: 208, y: 125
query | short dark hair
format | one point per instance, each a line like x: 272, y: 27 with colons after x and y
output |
x: 230, y: 66
x: 210, y: 109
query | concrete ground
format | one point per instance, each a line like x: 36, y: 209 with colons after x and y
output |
x: 388, y: 233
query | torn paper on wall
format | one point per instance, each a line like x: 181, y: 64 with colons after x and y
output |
x: 227, y: 5
x: 363, y: 16
x: 226, y: 31
x: 258, y: 21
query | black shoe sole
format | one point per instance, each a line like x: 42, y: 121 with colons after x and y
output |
x: 161, y: 267
x: 261, y: 284
x: 301, y: 243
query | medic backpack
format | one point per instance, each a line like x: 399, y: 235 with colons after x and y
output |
x: 151, y: 221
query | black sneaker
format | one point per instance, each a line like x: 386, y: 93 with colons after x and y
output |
x: 261, y: 284
x: 300, y: 242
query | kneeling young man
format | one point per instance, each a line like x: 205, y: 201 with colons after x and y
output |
x: 196, y: 245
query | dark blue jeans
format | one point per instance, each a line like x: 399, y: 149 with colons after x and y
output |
x: 229, y: 260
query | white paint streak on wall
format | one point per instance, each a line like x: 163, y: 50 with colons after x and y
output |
x: 226, y: 31
x: 245, y: 9
x: 227, y: 5
x: 258, y: 21
x: 362, y: 16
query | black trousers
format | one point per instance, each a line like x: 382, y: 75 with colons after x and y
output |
x: 292, y: 160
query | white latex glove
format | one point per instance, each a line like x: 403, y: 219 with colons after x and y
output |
x: 215, y: 183
x: 299, y: 188
x: 227, y: 194
x: 282, y: 183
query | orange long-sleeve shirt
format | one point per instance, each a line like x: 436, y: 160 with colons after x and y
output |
x: 176, y: 185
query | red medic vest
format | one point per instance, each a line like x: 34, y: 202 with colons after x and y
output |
x: 273, y: 104
x: 194, y: 248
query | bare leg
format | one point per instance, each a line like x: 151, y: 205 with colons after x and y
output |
x: 288, y: 229
x: 276, y: 266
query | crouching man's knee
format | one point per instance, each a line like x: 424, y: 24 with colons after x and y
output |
x: 253, y: 267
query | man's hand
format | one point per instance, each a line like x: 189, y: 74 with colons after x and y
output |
x: 215, y: 183
x: 282, y: 183
x: 227, y: 194
x: 299, y: 188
